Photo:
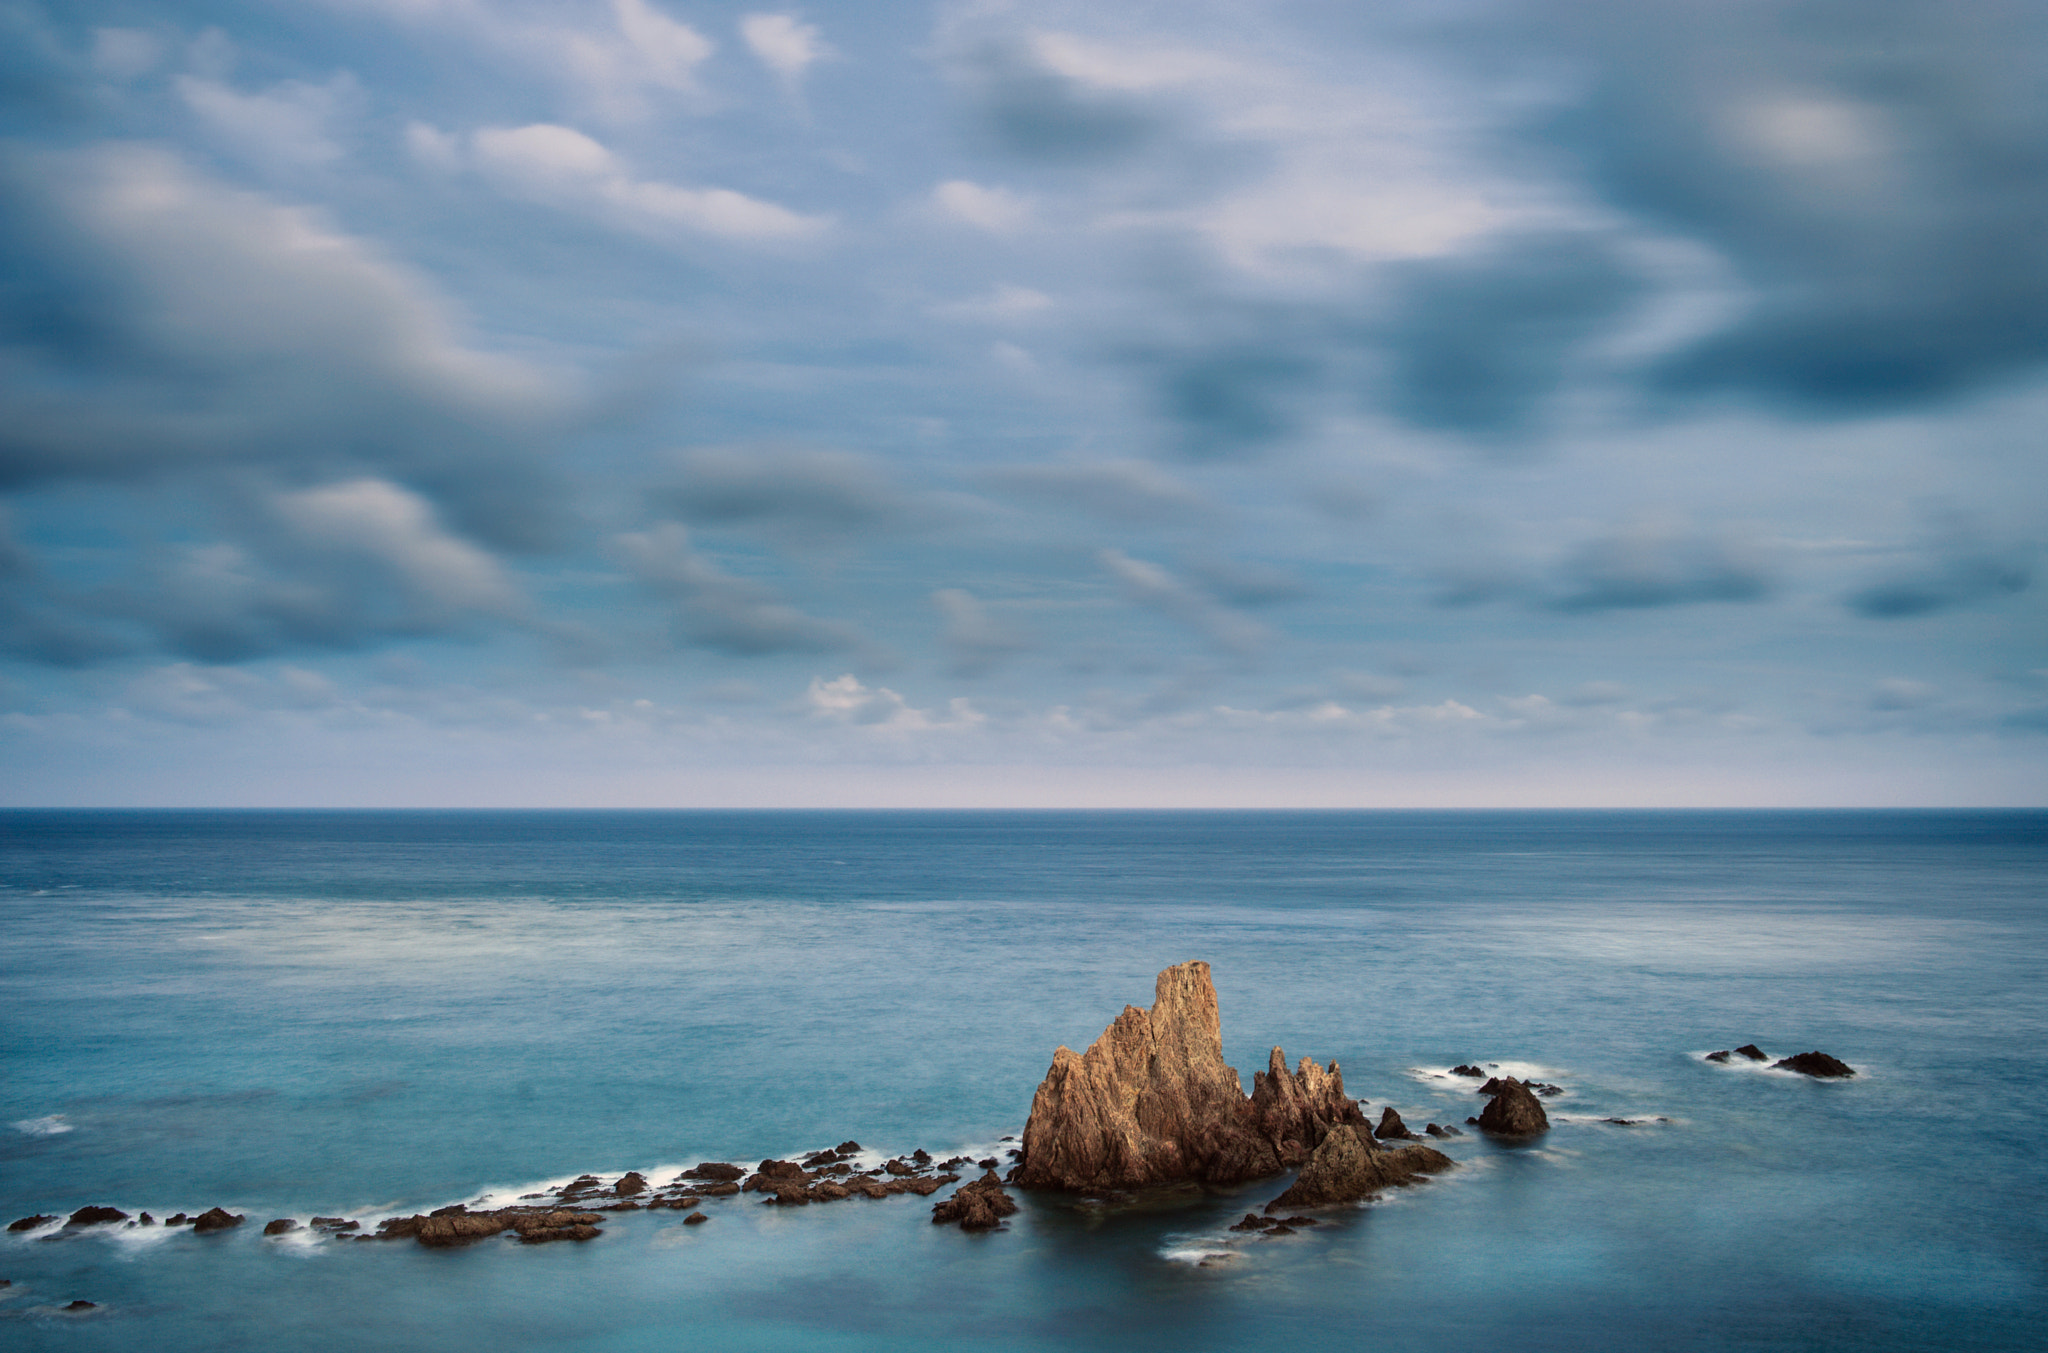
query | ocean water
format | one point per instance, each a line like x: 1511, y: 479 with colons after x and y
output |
x: 379, y: 1013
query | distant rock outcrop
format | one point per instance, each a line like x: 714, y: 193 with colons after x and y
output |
x: 1391, y: 1127
x: 977, y: 1206
x: 1513, y: 1111
x: 217, y: 1219
x: 1152, y: 1102
x: 1350, y: 1166
x: 93, y: 1216
x: 1817, y: 1064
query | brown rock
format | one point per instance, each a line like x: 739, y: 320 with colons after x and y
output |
x: 630, y: 1183
x: 93, y: 1216
x: 695, y: 1219
x: 1474, y: 1072
x: 1513, y: 1111
x: 176, y: 1219
x: 724, y: 1189
x: 1753, y: 1052
x: 1815, y: 1064
x: 1294, y: 1109
x: 459, y: 1228
x: 1152, y: 1102
x: 335, y: 1224
x: 979, y: 1206
x: 280, y: 1226
x: 1350, y: 1166
x: 1721, y: 1056
x: 1444, y: 1130
x: 825, y: 1191
x: 31, y: 1223
x: 714, y: 1170
x: 1391, y: 1127
x: 216, y: 1219
x: 899, y: 1167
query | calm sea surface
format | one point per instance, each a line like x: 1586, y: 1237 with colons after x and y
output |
x: 372, y: 1013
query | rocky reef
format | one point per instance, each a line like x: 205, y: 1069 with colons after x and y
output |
x: 1152, y: 1102
x: 1350, y: 1166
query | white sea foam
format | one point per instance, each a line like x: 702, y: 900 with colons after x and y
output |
x: 1180, y: 1251
x: 51, y: 1125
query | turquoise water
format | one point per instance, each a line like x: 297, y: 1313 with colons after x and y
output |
x: 370, y: 1013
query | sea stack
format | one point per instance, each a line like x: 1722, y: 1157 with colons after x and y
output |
x: 1152, y: 1102
x: 1513, y: 1111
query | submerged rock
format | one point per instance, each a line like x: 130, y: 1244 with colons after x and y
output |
x: 216, y: 1219
x: 695, y: 1219
x: 978, y: 1206
x: 83, y: 1305
x: 1513, y: 1111
x: 1444, y: 1130
x: 1152, y: 1102
x: 1350, y: 1166
x: 1817, y: 1064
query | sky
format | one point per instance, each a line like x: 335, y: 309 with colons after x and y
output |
x: 673, y: 403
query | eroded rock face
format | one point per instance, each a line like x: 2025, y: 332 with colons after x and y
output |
x: 1295, y: 1110
x: 1514, y: 1111
x: 1815, y: 1064
x: 1391, y: 1127
x: 1350, y: 1166
x: 1152, y: 1102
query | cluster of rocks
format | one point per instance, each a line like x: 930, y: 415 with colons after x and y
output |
x: 1152, y: 1102
x: 213, y: 1219
x: 1513, y: 1110
x: 1816, y: 1064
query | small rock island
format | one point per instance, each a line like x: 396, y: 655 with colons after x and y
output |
x: 1152, y: 1102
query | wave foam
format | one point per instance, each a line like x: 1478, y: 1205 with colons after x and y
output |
x: 51, y: 1125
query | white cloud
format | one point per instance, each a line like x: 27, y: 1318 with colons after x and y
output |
x: 783, y: 44
x: 846, y: 700
x: 563, y: 167
x: 1006, y: 302
x: 379, y: 521
x: 286, y: 125
x: 993, y: 209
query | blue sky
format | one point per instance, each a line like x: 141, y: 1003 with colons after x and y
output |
x: 639, y: 402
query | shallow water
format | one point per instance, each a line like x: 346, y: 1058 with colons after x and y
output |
x: 368, y: 1013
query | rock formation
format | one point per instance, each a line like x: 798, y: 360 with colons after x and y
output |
x: 1751, y: 1051
x: 1815, y: 1064
x: 1513, y: 1111
x: 31, y: 1223
x: 1350, y: 1166
x: 977, y: 1206
x: 216, y: 1219
x: 93, y: 1216
x: 1391, y: 1127
x: 1152, y: 1102
x: 281, y: 1226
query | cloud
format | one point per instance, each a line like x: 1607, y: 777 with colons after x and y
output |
x: 783, y: 43
x: 975, y: 641
x: 1657, y: 565
x: 1479, y: 341
x: 1123, y: 491
x: 396, y: 529
x: 159, y: 321
x: 1858, y: 166
x: 1943, y: 580
x: 718, y: 611
x: 846, y: 700
x: 1151, y: 587
x: 284, y: 127
x: 997, y: 210
x: 562, y: 167
x: 800, y: 492
x: 1040, y: 112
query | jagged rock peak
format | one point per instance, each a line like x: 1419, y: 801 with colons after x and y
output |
x: 1152, y: 1102
x: 1295, y: 1110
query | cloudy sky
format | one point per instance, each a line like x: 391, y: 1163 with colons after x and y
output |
x: 670, y: 402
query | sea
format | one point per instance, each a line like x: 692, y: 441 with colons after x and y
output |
x: 367, y: 1014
